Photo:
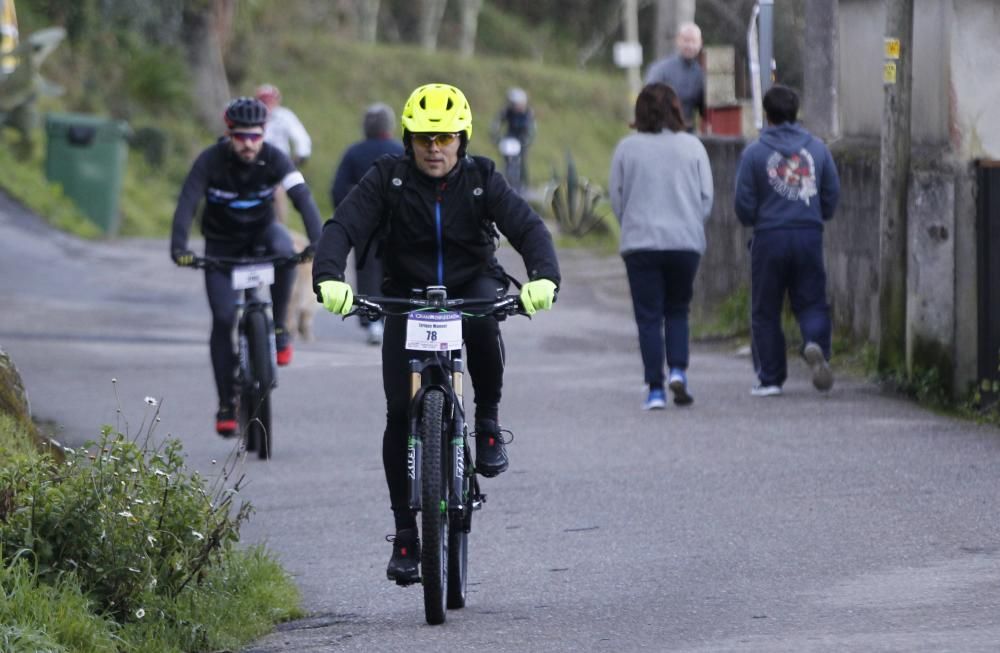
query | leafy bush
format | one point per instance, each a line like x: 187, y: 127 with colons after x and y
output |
x: 125, y: 521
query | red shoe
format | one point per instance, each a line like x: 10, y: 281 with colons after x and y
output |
x: 225, y: 422
x: 284, y: 355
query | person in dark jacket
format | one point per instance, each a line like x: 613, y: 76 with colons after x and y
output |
x: 237, y: 178
x: 786, y: 188
x: 377, y: 126
x: 428, y: 208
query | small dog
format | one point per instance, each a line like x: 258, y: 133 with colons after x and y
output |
x: 302, y: 304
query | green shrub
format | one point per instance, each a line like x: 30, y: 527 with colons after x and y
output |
x: 37, y: 617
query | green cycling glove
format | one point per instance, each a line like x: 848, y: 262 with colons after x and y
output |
x: 337, y: 296
x: 537, y: 294
x: 183, y: 257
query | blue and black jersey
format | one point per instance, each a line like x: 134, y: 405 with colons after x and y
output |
x: 239, y: 196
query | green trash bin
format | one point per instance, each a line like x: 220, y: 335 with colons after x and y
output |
x: 87, y: 154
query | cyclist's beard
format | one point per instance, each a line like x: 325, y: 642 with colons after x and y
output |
x: 245, y: 153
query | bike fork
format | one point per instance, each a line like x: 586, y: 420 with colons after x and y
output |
x: 414, y: 448
x: 456, y: 446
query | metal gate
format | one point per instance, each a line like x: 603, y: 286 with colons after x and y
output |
x: 988, y: 265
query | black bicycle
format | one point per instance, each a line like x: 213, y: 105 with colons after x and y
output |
x: 443, y: 484
x: 257, y: 373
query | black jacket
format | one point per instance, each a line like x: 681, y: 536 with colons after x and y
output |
x: 239, y: 196
x: 415, y: 252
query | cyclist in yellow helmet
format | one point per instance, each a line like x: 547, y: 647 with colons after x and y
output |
x: 431, y: 214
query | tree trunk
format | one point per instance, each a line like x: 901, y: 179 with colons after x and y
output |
x: 431, y: 13
x: 819, y: 101
x: 367, y: 20
x: 895, y: 174
x: 205, y: 32
x: 470, y: 24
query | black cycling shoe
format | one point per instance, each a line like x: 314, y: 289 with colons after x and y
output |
x: 491, y: 456
x: 404, y: 565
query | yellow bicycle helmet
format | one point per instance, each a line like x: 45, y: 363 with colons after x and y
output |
x: 437, y: 108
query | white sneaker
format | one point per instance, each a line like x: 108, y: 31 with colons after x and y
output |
x: 375, y: 330
x: 761, y: 390
x: 822, y: 376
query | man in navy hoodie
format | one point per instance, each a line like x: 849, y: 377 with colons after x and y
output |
x: 786, y: 188
x: 377, y: 125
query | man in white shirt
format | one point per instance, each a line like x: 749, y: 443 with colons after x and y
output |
x: 285, y: 131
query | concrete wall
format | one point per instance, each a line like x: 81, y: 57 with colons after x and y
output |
x: 975, y: 86
x: 862, y: 33
x: 955, y: 93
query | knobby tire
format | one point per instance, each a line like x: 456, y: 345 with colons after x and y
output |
x: 434, y: 513
x: 458, y: 557
x: 258, y: 390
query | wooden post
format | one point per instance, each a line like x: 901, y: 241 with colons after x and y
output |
x: 895, y: 173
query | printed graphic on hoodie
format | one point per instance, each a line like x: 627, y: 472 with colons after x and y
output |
x: 793, y: 177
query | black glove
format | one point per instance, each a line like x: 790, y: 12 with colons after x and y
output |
x: 183, y: 257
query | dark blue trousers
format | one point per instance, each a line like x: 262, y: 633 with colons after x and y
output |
x: 662, y: 284
x: 222, y: 299
x: 786, y: 261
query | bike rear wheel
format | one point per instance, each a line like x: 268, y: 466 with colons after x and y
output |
x: 257, y: 391
x: 434, y: 507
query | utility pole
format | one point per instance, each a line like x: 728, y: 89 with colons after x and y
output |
x: 819, y: 99
x: 897, y: 74
x: 630, y: 8
x: 766, y: 22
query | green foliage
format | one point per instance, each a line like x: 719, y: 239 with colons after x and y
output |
x: 131, y: 522
x: 731, y: 319
x: 579, y: 206
x: 25, y: 181
x: 37, y: 617
x: 120, y: 548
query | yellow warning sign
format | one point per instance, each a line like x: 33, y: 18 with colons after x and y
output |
x: 892, y: 48
x: 889, y: 72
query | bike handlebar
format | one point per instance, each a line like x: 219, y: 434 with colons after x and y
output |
x: 375, y: 308
x: 228, y: 262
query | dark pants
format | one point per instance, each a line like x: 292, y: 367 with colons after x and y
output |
x: 662, y: 284
x: 485, y: 362
x: 786, y: 261
x: 275, y: 240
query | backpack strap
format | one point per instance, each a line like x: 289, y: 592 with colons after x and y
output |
x: 393, y: 190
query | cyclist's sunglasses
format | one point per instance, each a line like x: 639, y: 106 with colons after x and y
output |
x: 246, y: 136
x: 426, y: 140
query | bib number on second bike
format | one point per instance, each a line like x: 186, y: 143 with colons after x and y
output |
x: 434, y: 331
x: 251, y: 276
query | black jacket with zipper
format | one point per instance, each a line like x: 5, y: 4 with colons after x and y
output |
x: 405, y: 217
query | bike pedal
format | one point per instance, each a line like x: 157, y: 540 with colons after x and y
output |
x: 406, y: 582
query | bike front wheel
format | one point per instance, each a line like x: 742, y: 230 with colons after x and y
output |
x: 434, y: 507
x: 256, y: 393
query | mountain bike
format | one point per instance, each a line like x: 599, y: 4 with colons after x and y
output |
x: 257, y: 372
x: 442, y: 483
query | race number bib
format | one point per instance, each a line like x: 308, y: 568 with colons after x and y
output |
x: 251, y: 276
x: 434, y: 331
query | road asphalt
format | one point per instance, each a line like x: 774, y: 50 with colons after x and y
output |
x: 851, y: 520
